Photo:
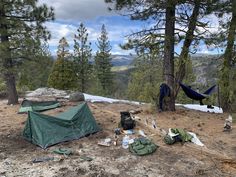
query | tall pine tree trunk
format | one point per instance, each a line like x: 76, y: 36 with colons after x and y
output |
x: 180, y: 74
x: 227, y: 65
x: 83, y: 81
x: 168, y: 70
x: 11, y: 88
x: 83, y: 85
x: 8, y: 67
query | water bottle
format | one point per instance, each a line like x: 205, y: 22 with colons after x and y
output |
x: 125, y: 142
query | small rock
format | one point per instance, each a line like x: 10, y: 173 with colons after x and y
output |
x: 77, y: 96
x: 81, y: 146
x: 2, y: 172
x: 7, y: 163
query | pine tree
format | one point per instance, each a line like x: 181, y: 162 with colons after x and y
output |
x: 82, y: 54
x: 164, y: 12
x: 103, y: 62
x: 184, y: 59
x: 63, y: 75
x: 169, y: 44
x: 21, y: 29
x: 228, y: 72
x: 170, y: 22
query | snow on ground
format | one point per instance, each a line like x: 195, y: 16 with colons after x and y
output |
x: 93, y: 98
x: 202, y: 108
x: 51, y: 92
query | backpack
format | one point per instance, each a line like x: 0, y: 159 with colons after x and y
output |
x: 126, y: 121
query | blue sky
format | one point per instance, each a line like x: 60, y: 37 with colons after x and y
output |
x: 93, y: 13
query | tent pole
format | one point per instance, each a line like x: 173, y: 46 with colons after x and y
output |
x: 31, y: 136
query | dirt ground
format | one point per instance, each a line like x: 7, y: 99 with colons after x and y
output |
x: 216, y: 159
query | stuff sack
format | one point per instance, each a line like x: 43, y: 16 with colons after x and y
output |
x: 142, y: 146
x: 168, y: 139
x: 126, y: 121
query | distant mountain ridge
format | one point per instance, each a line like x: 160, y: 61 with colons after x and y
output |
x: 117, y: 60
x: 122, y: 60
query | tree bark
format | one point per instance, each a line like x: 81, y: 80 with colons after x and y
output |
x: 83, y: 85
x: 180, y: 74
x: 8, y: 67
x: 169, y: 52
x: 227, y: 65
x: 11, y: 88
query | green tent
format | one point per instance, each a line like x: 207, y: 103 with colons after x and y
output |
x: 28, y: 105
x: 44, y: 130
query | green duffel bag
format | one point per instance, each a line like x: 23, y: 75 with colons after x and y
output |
x: 142, y: 146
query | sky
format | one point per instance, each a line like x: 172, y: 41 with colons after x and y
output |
x: 93, y: 14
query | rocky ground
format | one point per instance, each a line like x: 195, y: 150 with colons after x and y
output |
x: 217, y: 158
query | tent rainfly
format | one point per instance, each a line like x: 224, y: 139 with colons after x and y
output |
x: 44, y: 130
x: 28, y: 105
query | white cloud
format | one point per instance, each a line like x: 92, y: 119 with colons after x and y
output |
x: 212, y: 49
x: 58, y: 31
x: 116, y: 34
x: 70, y: 10
x: 214, y: 26
x: 69, y: 13
x: 204, y: 51
x: 119, y: 32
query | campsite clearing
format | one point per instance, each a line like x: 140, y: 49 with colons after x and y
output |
x: 218, y: 158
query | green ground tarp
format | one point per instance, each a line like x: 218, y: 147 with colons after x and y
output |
x: 37, y: 106
x: 44, y: 130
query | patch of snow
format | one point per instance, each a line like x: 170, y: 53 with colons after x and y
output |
x: 51, y: 92
x: 178, y: 104
x: 93, y: 98
x: 202, y: 108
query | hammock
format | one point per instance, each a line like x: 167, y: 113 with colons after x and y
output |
x: 195, y: 95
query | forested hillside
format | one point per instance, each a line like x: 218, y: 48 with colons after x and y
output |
x: 205, y: 69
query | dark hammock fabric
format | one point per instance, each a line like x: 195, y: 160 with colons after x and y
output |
x: 195, y: 95
x: 210, y: 90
